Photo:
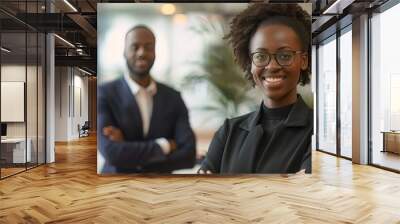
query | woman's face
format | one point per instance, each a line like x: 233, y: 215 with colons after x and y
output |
x: 277, y: 82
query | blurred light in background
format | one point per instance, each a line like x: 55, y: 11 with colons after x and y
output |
x: 180, y: 19
x: 168, y: 9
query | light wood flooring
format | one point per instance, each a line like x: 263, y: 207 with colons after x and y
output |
x: 10, y: 171
x: 70, y: 191
x: 388, y: 159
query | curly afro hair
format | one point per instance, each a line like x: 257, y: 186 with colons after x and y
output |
x: 245, y: 24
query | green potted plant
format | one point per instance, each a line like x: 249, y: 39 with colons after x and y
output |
x: 229, y: 90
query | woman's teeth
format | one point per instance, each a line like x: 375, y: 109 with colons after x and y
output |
x: 273, y: 79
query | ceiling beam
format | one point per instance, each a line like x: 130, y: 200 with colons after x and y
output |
x: 337, y: 7
x: 85, y: 25
x: 84, y: 61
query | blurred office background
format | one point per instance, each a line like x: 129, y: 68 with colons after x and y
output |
x: 192, y: 56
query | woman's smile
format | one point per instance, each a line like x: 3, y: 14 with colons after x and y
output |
x: 273, y: 81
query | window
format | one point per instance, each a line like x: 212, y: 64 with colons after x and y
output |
x: 385, y: 89
x: 346, y: 92
x: 327, y: 96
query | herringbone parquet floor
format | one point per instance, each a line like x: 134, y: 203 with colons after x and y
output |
x: 70, y: 191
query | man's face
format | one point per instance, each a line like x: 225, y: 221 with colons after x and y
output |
x: 139, y: 51
x: 277, y: 81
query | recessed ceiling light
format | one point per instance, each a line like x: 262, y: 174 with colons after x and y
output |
x: 70, y: 5
x: 84, y: 71
x: 64, y: 40
x: 5, y: 50
x: 337, y: 7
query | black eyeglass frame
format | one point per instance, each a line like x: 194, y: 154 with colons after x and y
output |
x: 274, y: 56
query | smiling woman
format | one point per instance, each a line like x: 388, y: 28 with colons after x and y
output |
x: 271, y: 43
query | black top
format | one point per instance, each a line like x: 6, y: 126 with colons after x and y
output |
x: 264, y: 141
x: 269, y: 120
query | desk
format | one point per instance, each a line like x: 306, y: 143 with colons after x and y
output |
x: 391, y: 141
x: 13, y: 150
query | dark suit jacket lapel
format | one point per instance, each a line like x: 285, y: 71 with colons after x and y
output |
x: 246, y: 156
x: 296, y: 117
x: 158, y: 105
x: 130, y: 109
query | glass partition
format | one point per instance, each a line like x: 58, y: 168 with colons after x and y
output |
x: 31, y: 98
x: 14, y: 153
x: 22, y: 87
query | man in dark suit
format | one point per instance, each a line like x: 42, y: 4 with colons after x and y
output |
x: 144, y: 125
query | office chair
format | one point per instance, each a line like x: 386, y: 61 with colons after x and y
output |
x: 84, y: 130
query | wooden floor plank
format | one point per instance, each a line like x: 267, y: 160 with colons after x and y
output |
x: 70, y: 191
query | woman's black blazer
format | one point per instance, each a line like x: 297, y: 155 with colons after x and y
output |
x: 235, y: 145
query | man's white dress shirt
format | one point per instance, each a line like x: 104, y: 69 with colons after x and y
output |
x: 144, y: 99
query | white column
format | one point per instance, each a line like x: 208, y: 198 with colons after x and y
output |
x: 360, y: 90
x: 314, y: 92
x: 50, y: 93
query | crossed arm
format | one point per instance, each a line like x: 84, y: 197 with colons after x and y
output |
x: 131, y: 154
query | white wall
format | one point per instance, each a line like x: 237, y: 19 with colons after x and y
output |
x: 33, y: 127
x: 61, y: 103
x: 16, y: 73
x: 71, y: 94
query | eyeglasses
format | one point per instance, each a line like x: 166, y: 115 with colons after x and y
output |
x: 283, y: 58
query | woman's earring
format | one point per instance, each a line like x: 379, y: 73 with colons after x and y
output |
x: 304, y: 65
